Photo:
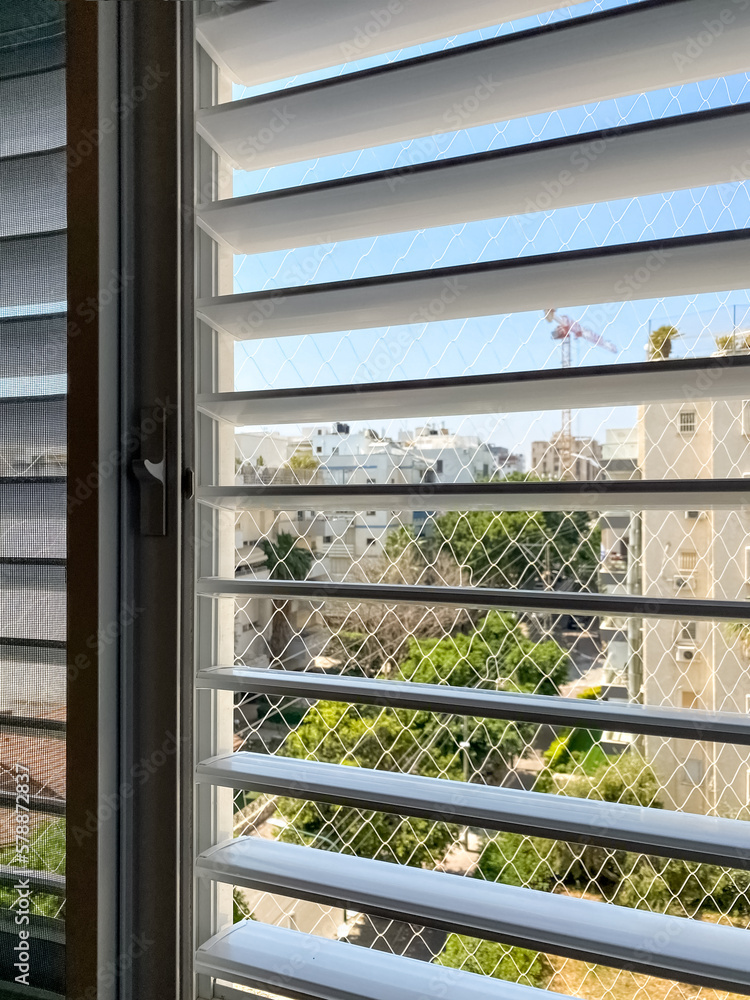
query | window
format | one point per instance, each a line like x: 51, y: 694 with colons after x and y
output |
x: 319, y: 450
x: 688, y: 632
x: 41, y: 717
x: 692, y: 771
x: 687, y: 561
x: 692, y: 515
x: 687, y: 422
x: 362, y: 656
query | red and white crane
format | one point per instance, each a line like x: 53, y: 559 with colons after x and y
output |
x: 566, y: 331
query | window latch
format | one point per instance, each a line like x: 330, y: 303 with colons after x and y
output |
x: 150, y: 471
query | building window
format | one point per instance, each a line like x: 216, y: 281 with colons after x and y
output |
x: 439, y: 465
x: 371, y: 513
x: 327, y: 539
x: 691, y: 772
x: 688, y: 632
x: 370, y: 541
x: 688, y: 561
x: 687, y: 422
x: 319, y: 450
x: 690, y: 699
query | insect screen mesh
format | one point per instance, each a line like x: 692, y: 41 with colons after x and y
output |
x: 32, y: 496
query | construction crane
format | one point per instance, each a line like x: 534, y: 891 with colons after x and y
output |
x: 566, y: 331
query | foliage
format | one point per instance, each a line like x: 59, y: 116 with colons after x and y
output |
x: 303, y: 460
x: 46, y: 853
x: 363, y: 737
x: 285, y: 560
x: 660, y: 342
x: 372, y: 638
x: 521, y: 549
x: 627, y: 779
x: 729, y: 343
x: 496, y: 655
x: 487, y: 958
x: 684, y: 888
x: 739, y: 632
x: 513, y: 859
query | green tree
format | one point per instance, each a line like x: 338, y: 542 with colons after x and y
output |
x: 303, y: 460
x: 522, y: 549
x: 46, y: 853
x: 362, y: 737
x: 285, y: 560
x: 496, y: 655
x: 661, y: 341
x: 487, y: 958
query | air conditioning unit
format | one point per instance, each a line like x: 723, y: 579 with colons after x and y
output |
x: 684, y: 582
x: 685, y: 654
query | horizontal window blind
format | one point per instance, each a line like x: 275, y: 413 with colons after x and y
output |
x: 33, y: 450
x: 464, y: 721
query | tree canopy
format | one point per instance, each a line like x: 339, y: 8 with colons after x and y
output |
x: 496, y: 655
x: 520, y: 548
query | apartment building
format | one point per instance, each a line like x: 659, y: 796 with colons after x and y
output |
x: 451, y: 458
x: 617, y: 574
x: 361, y: 458
x: 547, y: 458
x: 696, y: 554
x: 264, y: 458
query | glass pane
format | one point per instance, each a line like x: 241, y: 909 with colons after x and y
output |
x: 32, y: 497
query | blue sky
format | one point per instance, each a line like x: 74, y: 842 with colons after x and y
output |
x: 499, y: 343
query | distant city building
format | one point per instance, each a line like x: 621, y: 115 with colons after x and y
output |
x: 703, y: 555
x: 547, y: 458
x: 507, y: 462
x: 361, y: 458
x: 451, y: 458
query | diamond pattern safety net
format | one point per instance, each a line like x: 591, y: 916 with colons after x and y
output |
x: 337, y: 480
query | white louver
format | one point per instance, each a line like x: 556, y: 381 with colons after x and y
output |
x: 597, y: 53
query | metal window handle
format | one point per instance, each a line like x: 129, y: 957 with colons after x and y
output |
x: 150, y: 471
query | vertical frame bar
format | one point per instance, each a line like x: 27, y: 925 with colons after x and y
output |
x: 214, y: 535
x: 156, y: 242
x: 84, y: 939
x: 129, y: 901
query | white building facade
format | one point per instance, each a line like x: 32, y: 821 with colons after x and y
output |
x: 703, y: 555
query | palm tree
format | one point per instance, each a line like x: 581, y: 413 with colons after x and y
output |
x: 660, y: 343
x: 284, y: 561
